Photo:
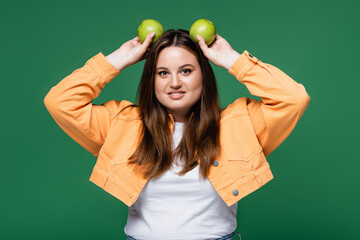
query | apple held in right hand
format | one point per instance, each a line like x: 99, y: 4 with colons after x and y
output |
x: 130, y: 52
x: 147, y: 26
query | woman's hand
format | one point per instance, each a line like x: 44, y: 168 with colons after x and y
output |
x: 130, y: 52
x: 220, y: 52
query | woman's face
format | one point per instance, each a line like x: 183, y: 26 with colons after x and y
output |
x: 178, y: 81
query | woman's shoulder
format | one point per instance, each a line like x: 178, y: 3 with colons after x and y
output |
x: 123, y: 109
x: 239, y: 107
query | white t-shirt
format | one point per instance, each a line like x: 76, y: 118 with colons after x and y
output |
x: 180, y: 207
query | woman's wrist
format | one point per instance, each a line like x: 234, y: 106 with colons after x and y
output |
x: 119, y: 66
x: 231, y: 59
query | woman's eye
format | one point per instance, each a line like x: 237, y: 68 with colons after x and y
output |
x: 187, y: 70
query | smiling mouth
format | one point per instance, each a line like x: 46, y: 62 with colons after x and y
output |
x: 176, y: 96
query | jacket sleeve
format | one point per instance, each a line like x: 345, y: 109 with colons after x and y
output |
x: 283, y: 100
x: 70, y: 103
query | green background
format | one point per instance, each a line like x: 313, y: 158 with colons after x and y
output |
x: 46, y: 192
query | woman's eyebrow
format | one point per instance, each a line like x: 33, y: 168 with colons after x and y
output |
x: 185, y: 65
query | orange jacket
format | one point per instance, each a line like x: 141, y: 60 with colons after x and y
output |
x: 249, y: 129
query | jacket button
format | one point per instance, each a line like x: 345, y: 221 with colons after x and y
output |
x: 216, y: 163
x: 235, y: 192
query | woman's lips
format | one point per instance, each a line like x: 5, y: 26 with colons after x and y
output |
x: 176, y: 96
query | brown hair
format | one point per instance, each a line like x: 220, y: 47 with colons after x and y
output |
x: 200, y: 139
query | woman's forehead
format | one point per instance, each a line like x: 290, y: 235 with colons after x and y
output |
x: 175, y: 56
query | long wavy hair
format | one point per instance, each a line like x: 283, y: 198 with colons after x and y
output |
x: 200, y: 140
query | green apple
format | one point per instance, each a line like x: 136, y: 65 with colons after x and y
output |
x: 204, y: 28
x: 147, y: 26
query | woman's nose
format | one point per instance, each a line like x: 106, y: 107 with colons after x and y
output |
x: 175, y: 81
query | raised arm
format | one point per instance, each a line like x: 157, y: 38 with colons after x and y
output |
x: 70, y: 101
x: 283, y: 100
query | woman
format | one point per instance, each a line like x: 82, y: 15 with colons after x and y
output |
x: 179, y: 162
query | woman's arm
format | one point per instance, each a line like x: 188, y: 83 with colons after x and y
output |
x: 283, y: 100
x: 70, y: 101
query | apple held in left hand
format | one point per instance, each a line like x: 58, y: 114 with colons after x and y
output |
x: 220, y: 53
x: 147, y: 26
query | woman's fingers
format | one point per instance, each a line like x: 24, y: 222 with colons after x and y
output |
x: 202, y: 44
x: 135, y: 40
x: 218, y: 37
x: 148, y: 41
x: 145, y: 46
